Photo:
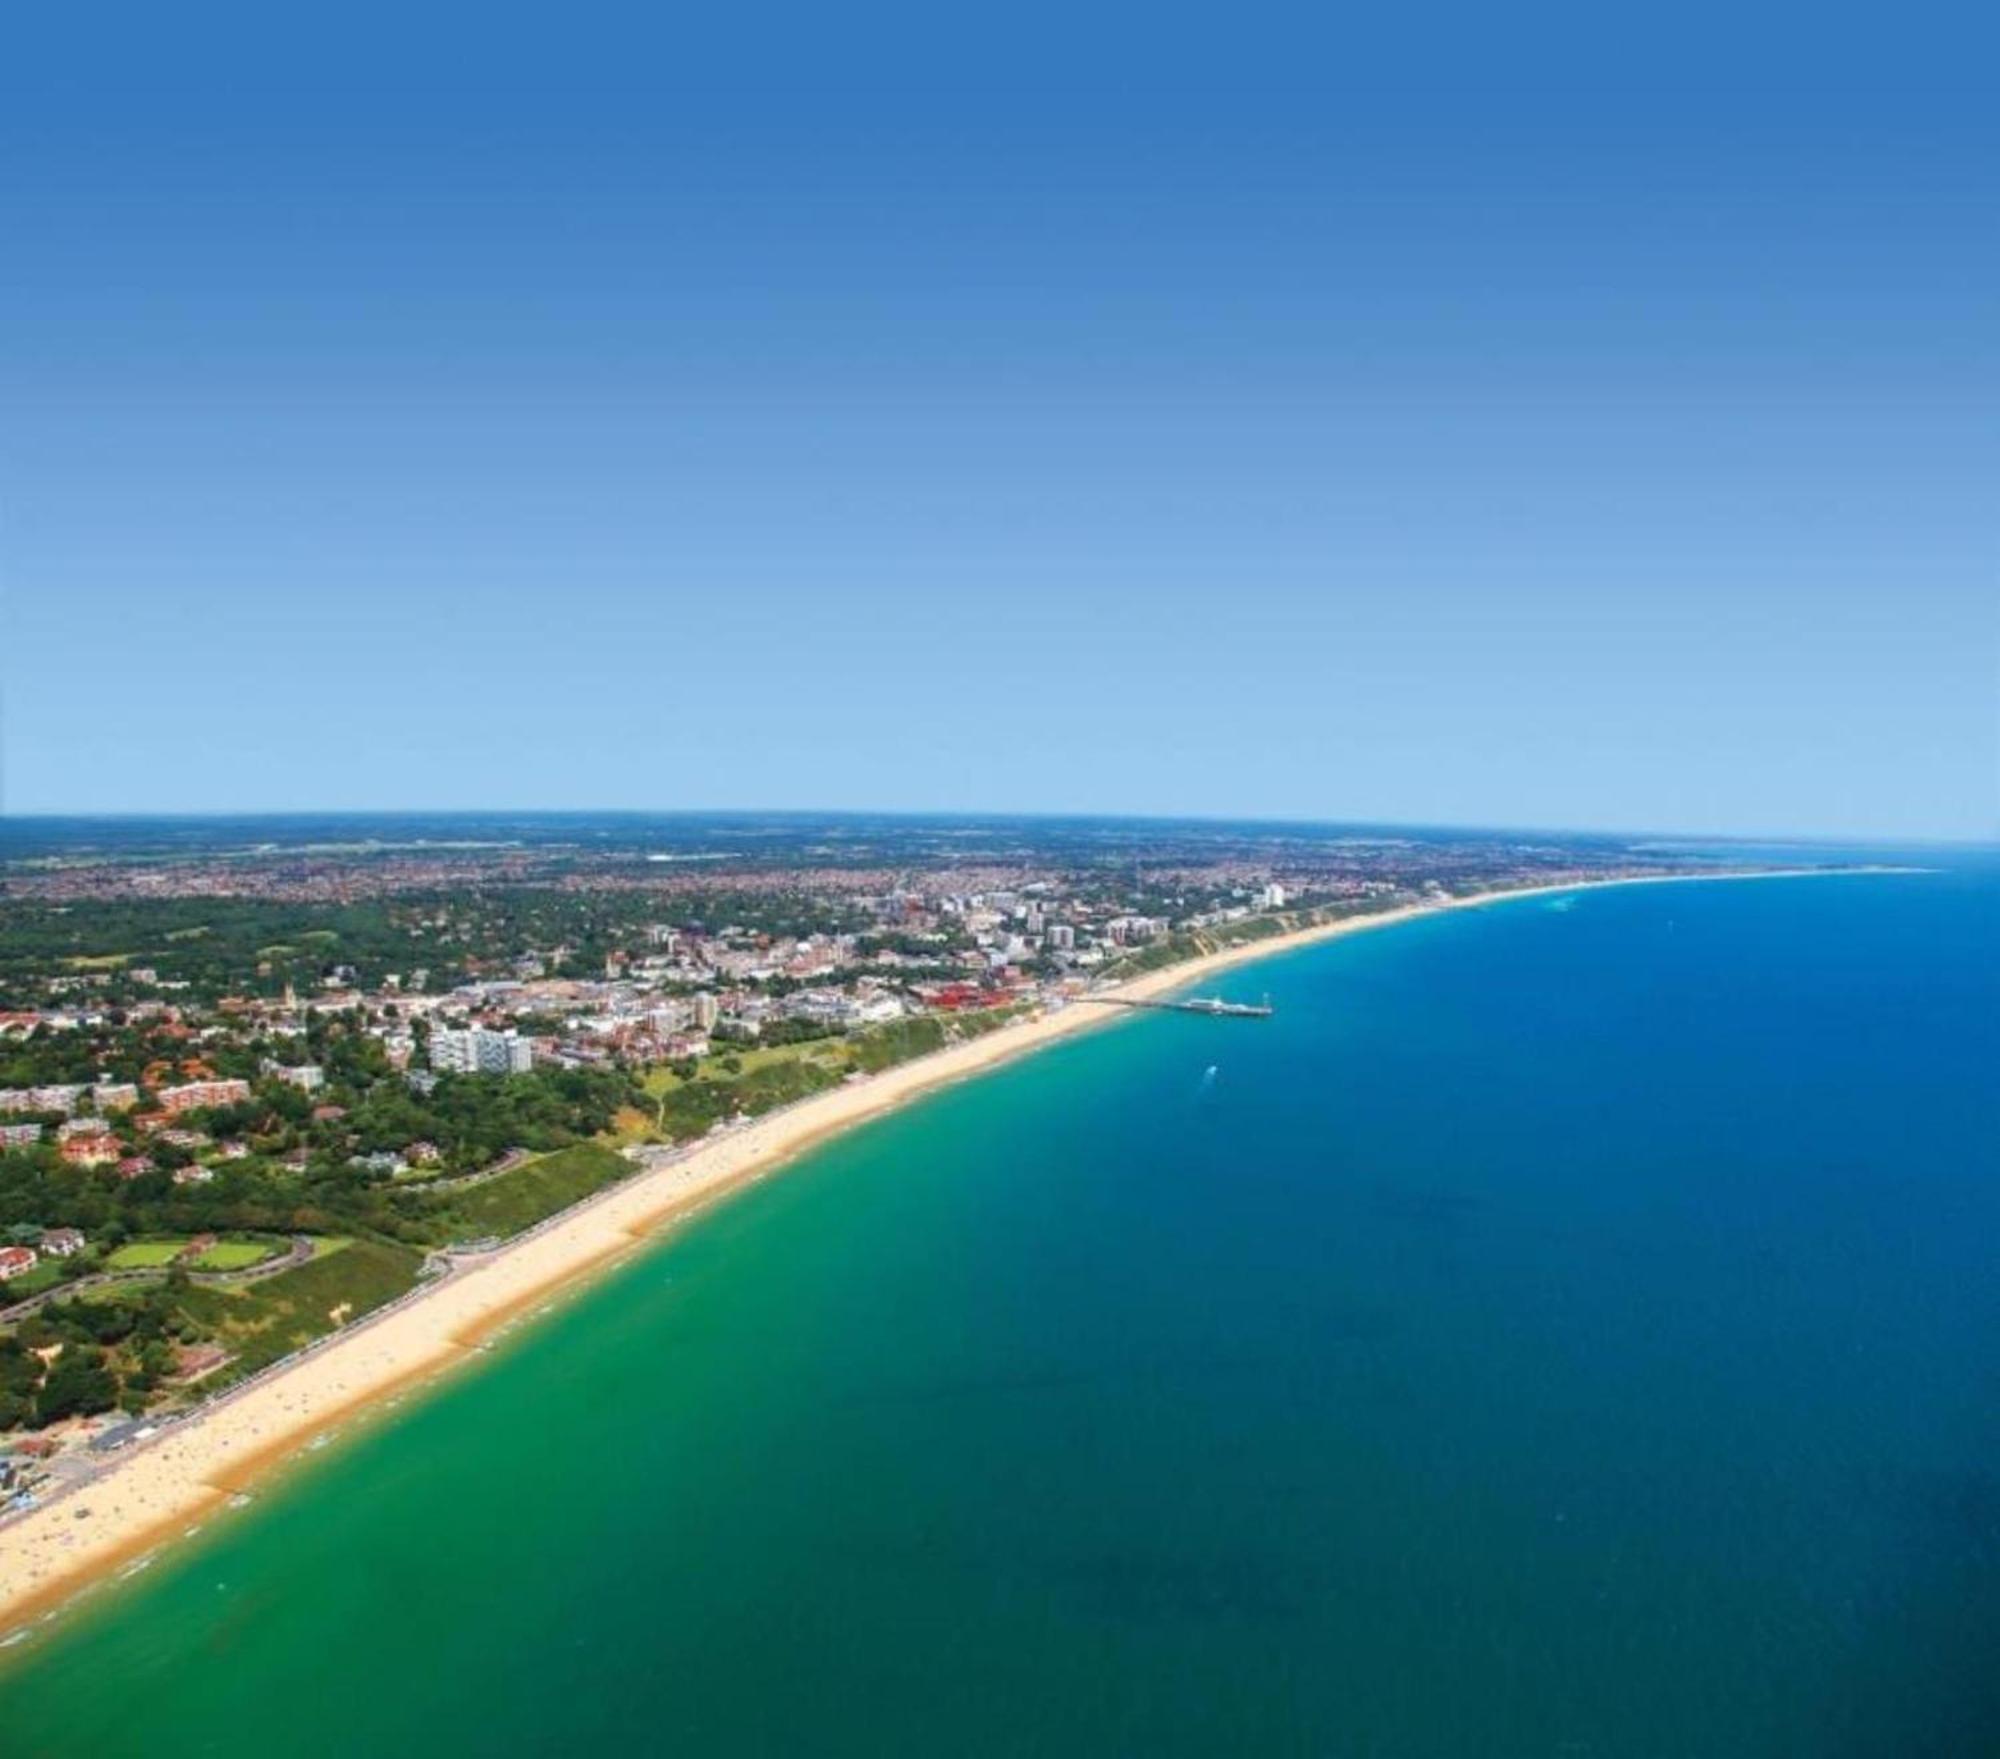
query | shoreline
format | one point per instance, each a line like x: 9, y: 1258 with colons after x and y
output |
x: 109, y: 1527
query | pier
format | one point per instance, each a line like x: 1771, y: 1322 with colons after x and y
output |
x: 1214, y: 1005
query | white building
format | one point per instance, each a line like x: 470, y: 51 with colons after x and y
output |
x: 1131, y: 931
x: 1272, y: 897
x: 40, y: 1099
x: 306, y: 1077
x: 477, y: 1051
x: 879, y: 1008
x: 670, y: 1015
x: 822, y: 1007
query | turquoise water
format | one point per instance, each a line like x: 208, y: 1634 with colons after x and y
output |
x: 1560, y: 1330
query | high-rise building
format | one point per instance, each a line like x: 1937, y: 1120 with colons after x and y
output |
x: 476, y: 1050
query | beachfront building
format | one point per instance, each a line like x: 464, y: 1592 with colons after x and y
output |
x: 1132, y: 931
x: 835, y: 1008
x: 1272, y: 897
x: 478, y: 1051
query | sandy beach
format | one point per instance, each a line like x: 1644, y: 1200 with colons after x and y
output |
x: 163, y: 1489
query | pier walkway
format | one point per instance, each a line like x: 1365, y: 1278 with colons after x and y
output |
x: 1190, y: 1005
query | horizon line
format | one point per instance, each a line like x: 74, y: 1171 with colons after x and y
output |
x: 976, y: 815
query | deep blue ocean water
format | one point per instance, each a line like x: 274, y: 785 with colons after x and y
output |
x: 1567, y: 1328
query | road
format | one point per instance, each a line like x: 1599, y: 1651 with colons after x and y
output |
x: 300, y: 1252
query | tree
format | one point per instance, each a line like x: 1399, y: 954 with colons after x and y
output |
x: 77, y: 1385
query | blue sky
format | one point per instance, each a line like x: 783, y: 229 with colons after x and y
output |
x: 1478, y: 420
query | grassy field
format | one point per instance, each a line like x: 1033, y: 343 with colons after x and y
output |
x: 775, y: 1075
x: 236, y: 1254
x: 233, y: 1254
x: 503, y: 1206
x: 44, y: 1276
x: 261, y: 1321
x: 146, y: 1255
x: 829, y: 1053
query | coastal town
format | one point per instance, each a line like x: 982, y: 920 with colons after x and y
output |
x: 248, y: 1098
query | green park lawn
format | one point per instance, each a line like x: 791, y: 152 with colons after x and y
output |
x: 236, y: 1254
x: 826, y: 1052
x: 44, y: 1276
x: 145, y: 1255
x: 223, y: 1255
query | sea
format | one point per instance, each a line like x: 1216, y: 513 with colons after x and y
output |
x: 1569, y: 1327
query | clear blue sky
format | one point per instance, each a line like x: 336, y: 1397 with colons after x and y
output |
x: 1503, y: 417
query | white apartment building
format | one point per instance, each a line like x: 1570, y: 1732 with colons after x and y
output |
x: 40, y: 1099
x: 478, y: 1051
x: 670, y: 1015
x: 1131, y: 931
x: 306, y: 1077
